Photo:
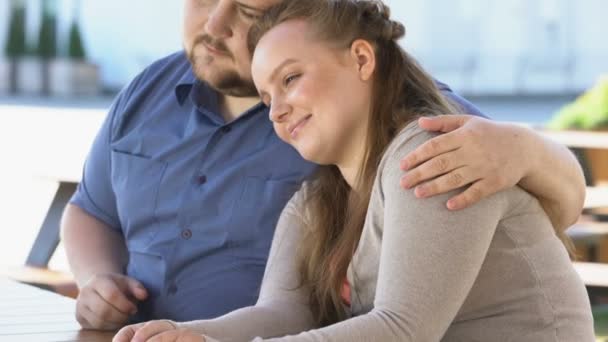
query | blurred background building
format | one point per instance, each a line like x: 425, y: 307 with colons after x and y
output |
x: 479, y: 47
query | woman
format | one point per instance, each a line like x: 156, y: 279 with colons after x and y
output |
x: 356, y: 259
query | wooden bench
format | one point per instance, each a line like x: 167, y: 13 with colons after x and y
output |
x: 596, y: 197
x: 591, y: 240
x: 595, y: 277
x: 35, y: 271
x: 67, y: 133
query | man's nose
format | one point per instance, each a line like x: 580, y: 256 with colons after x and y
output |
x: 220, y: 20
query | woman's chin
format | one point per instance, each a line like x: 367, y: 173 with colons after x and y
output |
x: 313, y: 156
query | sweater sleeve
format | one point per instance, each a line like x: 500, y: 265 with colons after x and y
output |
x: 429, y: 259
x: 282, y: 307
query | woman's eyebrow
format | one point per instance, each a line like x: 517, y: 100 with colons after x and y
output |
x: 281, y: 66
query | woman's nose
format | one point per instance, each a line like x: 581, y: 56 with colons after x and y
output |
x: 278, y: 111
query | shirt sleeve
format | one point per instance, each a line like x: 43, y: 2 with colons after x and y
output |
x: 94, y: 194
x: 282, y: 307
x: 466, y: 106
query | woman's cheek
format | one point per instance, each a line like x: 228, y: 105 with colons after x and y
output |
x: 281, y: 130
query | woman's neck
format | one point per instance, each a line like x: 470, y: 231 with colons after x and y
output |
x: 352, y: 164
x: 352, y: 154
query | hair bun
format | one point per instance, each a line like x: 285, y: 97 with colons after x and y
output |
x: 395, y: 30
x: 376, y: 11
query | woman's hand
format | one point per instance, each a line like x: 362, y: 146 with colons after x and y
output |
x: 156, y: 331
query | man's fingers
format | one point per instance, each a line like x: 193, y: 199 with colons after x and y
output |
x: 115, y: 295
x: 105, y: 311
x: 435, y: 167
x: 453, y: 180
x: 84, y: 323
x: 136, y: 289
x: 443, y: 123
x: 430, y: 149
x: 126, y: 334
x: 476, y: 192
x: 96, y: 321
x: 152, y: 328
x: 92, y: 312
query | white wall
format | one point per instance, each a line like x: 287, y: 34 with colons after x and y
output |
x: 508, y: 46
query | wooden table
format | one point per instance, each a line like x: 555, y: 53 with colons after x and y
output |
x: 579, y: 139
x: 29, y: 314
x: 596, y: 197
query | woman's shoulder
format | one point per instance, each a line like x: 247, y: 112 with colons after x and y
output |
x: 407, y: 140
x: 297, y: 206
x: 516, y: 200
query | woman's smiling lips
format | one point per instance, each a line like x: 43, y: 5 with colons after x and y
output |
x: 293, y: 129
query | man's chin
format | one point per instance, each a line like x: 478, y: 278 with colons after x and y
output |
x: 233, y: 88
x: 227, y: 82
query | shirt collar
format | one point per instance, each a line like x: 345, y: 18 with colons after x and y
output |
x: 189, y: 85
x: 184, y: 86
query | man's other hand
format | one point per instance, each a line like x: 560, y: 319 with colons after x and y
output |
x: 107, y: 301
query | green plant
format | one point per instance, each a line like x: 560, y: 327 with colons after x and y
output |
x: 47, y: 37
x: 76, y: 48
x: 15, y: 44
x: 589, y: 111
x: 600, y: 316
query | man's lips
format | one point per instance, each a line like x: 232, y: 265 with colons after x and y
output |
x: 214, y: 50
x: 294, y: 128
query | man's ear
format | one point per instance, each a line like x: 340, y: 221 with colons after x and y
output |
x: 364, y: 54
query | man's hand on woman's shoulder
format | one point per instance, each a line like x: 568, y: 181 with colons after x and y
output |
x: 485, y: 155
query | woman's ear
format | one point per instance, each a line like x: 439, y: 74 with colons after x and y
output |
x: 364, y: 54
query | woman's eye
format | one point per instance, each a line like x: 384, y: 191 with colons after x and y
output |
x: 290, y: 79
x: 249, y: 15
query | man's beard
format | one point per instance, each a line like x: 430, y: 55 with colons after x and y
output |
x: 227, y: 82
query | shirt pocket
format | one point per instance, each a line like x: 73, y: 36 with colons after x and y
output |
x: 255, y: 215
x: 135, y: 181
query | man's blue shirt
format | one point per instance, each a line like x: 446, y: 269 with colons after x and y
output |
x: 197, y: 199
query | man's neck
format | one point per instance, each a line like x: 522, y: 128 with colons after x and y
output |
x: 232, y: 107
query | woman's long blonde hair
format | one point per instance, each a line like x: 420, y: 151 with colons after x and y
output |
x: 402, y: 91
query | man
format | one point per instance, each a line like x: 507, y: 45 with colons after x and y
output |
x: 185, y: 181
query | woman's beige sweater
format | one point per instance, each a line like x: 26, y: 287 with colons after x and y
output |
x: 492, y: 272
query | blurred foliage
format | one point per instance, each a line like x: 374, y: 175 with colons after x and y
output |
x: 76, y: 48
x: 600, y: 316
x: 588, y: 112
x: 15, y: 44
x: 47, y: 37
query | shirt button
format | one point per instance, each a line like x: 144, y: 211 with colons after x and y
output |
x: 201, y: 180
x: 186, y: 234
x: 226, y: 129
x: 172, y: 289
